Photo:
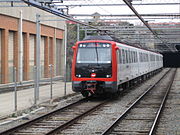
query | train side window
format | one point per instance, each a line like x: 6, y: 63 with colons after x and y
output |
x: 132, y: 57
x: 129, y: 55
x: 120, y: 56
x: 144, y: 57
x: 140, y: 57
x: 123, y: 56
x: 151, y: 57
x: 126, y: 56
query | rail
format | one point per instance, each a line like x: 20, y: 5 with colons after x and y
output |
x: 115, y: 123
x: 47, y: 124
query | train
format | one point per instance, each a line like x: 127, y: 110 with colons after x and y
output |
x: 101, y: 65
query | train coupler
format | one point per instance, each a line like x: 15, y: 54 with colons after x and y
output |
x: 91, y: 86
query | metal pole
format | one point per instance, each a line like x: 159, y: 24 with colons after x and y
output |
x: 35, y: 86
x: 51, y: 74
x: 65, y: 55
x: 38, y: 38
x: 85, y: 33
x: 20, y: 49
x: 77, y: 32
x: 15, y: 90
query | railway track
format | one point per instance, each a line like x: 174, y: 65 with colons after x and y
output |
x: 70, y: 119
x: 142, y: 116
x: 57, y: 119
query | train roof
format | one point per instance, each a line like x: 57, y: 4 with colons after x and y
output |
x: 109, y: 38
x: 104, y: 37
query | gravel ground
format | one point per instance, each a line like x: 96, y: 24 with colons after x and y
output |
x: 169, y: 123
x: 94, y: 124
x: 98, y: 122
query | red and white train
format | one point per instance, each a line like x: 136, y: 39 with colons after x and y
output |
x: 104, y: 66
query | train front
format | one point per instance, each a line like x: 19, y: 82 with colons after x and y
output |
x: 92, y: 68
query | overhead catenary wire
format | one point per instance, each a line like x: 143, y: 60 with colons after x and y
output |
x: 56, y: 12
x: 144, y: 22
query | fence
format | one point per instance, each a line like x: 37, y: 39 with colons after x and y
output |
x: 24, y: 95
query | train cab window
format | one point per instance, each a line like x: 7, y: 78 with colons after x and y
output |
x: 94, y: 53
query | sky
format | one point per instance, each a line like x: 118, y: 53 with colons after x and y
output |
x: 142, y: 9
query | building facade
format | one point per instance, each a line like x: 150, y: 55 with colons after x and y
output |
x: 51, y: 44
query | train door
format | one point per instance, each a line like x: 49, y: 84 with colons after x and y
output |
x: 138, y: 62
x: 118, y: 56
x: 129, y: 66
x: 123, y: 66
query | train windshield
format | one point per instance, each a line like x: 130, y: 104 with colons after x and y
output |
x: 94, y: 53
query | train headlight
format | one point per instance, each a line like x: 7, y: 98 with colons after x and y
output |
x: 78, y: 75
x: 108, y: 76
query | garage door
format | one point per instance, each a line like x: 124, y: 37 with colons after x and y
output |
x: 0, y: 55
x: 59, y: 57
x: 10, y: 55
x: 42, y: 56
x: 31, y: 56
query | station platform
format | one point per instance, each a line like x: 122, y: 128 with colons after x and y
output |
x: 25, y: 95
